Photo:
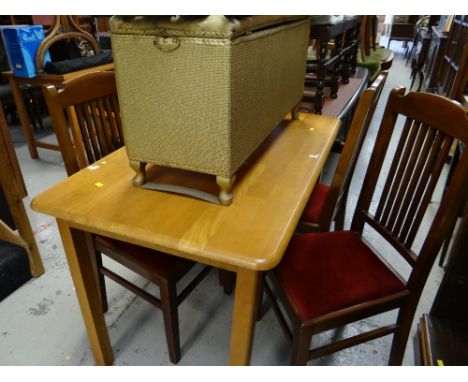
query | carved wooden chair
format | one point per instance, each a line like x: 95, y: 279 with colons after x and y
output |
x: 91, y: 104
x: 328, y: 203
x: 329, y: 279
x: 63, y: 29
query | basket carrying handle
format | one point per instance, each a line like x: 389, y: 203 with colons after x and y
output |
x: 166, y: 44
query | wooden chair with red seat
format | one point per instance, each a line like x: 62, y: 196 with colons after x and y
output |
x: 328, y: 203
x: 92, y: 108
x: 330, y: 279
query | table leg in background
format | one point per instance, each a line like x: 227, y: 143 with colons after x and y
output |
x: 81, y: 261
x: 23, y: 115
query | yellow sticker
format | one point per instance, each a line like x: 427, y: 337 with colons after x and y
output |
x: 440, y: 362
x: 98, y: 184
x: 312, y: 129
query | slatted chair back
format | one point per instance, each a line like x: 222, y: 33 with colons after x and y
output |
x: 335, y: 205
x: 431, y: 124
x: 90, y: 105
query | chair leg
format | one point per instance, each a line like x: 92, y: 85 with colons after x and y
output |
x: 171, y: 319
x: 227, y: 280
x: 400, y: 338
x: 300, y: 347
x: 259, y: 313
x: 102, y: 283
x: 446, y: 245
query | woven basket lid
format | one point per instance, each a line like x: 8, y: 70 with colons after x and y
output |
x: 225, y: 27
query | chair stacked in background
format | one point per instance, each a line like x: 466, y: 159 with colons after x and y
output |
x: 329, y: 279
x: 335, y: 55
x: 91, y: 105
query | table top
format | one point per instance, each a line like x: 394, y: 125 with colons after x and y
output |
x: 270, y: 193
x: 57, y: 78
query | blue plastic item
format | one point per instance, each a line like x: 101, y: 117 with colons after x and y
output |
x: 21, y: 44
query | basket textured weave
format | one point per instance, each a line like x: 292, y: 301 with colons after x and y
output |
x: 206, y: 103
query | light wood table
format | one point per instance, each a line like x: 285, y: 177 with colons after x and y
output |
x: 247, y: 237
x: 41, y: 80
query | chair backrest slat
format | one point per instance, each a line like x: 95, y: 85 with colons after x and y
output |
x: 111, y: 113
x: 77, y: 134
x: 115, y: 104
x: 414, y: 204
x: 391, y: 188
x: 426, y: 198
x: 401, y: 183
x: 413, y: 178
x: 84, y: 120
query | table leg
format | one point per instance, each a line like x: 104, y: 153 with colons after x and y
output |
x: 23, y: 115
x: 244, y: 317
x: 79, y: 251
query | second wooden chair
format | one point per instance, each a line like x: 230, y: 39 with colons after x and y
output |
x: 328, y: 203
x: 326, y: 280
x: 92, y: 108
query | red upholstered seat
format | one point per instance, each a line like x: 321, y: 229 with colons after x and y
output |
x: 325, y: 272
x: 314, y: 206
x: 143, y: 260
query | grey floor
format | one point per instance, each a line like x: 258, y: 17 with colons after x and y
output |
x: 41, y: 324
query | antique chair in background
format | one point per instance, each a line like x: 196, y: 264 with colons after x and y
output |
x: 91, y: 104
x: 329, y: 279
x: 403, y: 28
x: 333, y: 58
x: 328, y: 203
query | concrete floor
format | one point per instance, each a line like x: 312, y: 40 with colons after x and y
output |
x: 41, y: 323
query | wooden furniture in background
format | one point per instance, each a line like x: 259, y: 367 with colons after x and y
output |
x: 336, y: 54
x: 443, y: 335
x: 328, y: 279
x: 91, y: 105
x: 63, y: 28
x: 434, y: 58
x: 420, y: 48
x: 11, y: 180
x: 247, y: 237
x: 368, y: 35
x: 403, y: 28
x: 328, y: 203
x: 419, y: 56
x: 43, y: 79
x: 453, y: 73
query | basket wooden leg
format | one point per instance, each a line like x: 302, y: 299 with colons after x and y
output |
x: 225, y: 196
x: 139, y: 168
x: 295, y: 112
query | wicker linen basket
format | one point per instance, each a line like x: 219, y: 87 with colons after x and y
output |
x: 201, y: 94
